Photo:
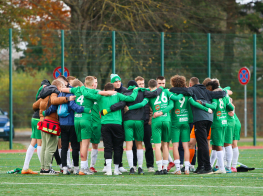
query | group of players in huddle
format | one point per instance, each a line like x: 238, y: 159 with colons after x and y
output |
x: 200, y: 113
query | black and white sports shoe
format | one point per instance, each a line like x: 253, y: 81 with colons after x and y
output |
x: 140, y: 171
x: 158, y: 172
x: 132, y: 171
x: 165, y: 171
x: 48, y: 172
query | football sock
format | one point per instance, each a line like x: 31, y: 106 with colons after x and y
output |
x: 187, y: 164
x: 29, y: 154
x: 177, y: 164
x: 217, y: 161
x: 220, y: 159
x: 108, y: 164
x: 59, y: 152
x: 140, y: 157
x: 165, y: 164
x: 129, y: 154
x: 84, y: 164
x: 224, y: 154
x: 235, y: 157
x: 192, y: 154
x: 68, y: 158
x: 94, y: 155
x: 39, y: 152
x: 210, y: 152
x: 213, y: 157
x: 159, y: 164
x: 229, y: 156
x: 170, y: 158
x: 116, y: 167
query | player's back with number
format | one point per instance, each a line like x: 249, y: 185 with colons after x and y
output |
x: 83, y: 100
x: 180, y: 112
x: 159, y: 103
x: 220, y: 115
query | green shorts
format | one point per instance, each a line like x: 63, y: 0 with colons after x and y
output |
x: 83, y: 129
x: 229, y: 132
x: 36, y: 134
x: 96, y: 133
x: 237, y: 129
x: 217, y: 136
x: 180, y: 132
x: 134, y: 129
x: 161, y: 131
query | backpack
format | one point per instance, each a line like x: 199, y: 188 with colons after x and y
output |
x: 63, y: 110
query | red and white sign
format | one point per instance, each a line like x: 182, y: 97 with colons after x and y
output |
x: 244, y: 75
x: 57, y: 72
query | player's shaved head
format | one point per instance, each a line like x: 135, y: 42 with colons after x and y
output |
x: 109, y: 87
x: 76, y: 83
x: 89, y: 80
x: 206, y: 81
x: 194, y: 81
x: 178, y: 81
x: 152, y: 83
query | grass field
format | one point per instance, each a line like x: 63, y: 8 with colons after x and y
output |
x: 249, y: 183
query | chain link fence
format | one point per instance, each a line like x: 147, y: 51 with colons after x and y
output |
x: 36, y: 53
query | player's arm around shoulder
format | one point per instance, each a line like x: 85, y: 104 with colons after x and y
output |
x: 139, y: 105
x: 198, y: 105
x: 129, y: 98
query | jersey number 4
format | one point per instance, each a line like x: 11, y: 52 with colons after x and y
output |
x: 163, y: 99
x: 80, y: 99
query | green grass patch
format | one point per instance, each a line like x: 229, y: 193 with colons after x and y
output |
x: 249, y: 183
x: 4, y: 145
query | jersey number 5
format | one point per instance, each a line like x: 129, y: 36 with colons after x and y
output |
x: 163, y: 99
x: 80, y: 99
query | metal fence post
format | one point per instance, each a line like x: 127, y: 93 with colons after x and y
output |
x: 10, y: 92
x: 208, y: 55
x: 62, y: 52
x: 113, y: 52
x: 254, y: 89
x: 162, y: 53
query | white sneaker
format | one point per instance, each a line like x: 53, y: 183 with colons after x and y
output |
x: 220, y: 171
x: 108, y: 173
x: 192, y: 168
x: 177, y: 172
x: 76, y: 170
x: 135, y: 168
x: 85, y: 172
x: 122, y: 169
x: 151, y: 169
x: 104, y: 169
x: 66, y: 171
x: 117, y: 173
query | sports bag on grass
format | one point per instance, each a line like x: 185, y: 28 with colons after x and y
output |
x: 49, y: 126
x: 63, y: 110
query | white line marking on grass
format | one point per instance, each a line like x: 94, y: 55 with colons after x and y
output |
x: 157, y: 185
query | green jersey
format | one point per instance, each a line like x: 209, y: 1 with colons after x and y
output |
x: 85, y: 98
x: 160, y: 103
x: 229, y: 118
x: 107, y: 101
x: 181, y: 114
x: 95, y: 112
x: 219, y: 108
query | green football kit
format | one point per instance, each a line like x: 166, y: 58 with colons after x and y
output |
x: 236, y: 134
x: 161, y: 125
x: 83, y: 121
x: 96, y: 124
x: 220, y: 119
x: 230, y: 128
x: 181, y: 116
